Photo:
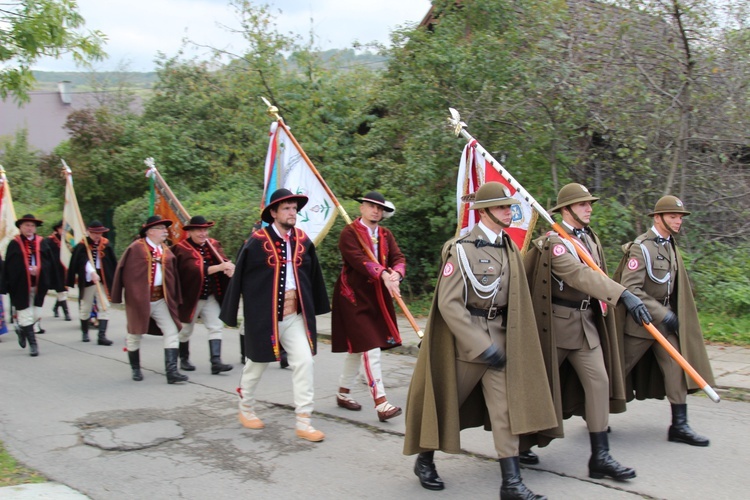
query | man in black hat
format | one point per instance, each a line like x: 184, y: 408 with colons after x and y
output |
x: 652, y: 268
x: 28, y: 265
x: 364, y: 319
x: 57, y: 282
x: 204, y: 275
x: 281, y: 282
x: 99, y: 269
x: 147, y: 271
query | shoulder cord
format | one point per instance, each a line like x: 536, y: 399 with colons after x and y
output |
x: 649, y: 269
x: 483, y: 291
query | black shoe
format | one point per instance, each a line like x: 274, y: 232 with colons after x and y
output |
x: 528, y: 458
x: 680, y: 431
x: 135, y: 365
x: 283, y: 362
x: 601, y: 463
x: 425, y: 470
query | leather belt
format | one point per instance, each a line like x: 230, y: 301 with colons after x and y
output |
x: 491, y: 313
x: 574, y: 304
x: 290, y: 302
x: 157, y: 293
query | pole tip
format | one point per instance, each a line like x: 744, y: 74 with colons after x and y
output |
x: 711, y: 393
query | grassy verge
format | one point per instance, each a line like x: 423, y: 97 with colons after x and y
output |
x: 723, y: 329
x: 12, y: 473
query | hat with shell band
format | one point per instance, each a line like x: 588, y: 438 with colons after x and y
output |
x: 492, y: 194
x: 669, y: 205
x: 572, y: 193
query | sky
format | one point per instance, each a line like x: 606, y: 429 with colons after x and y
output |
x: 138, y: 29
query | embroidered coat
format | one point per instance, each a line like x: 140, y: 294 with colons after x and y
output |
x: 433, y: 418
x: 363, y: 314
x: 259, y: 278
x: 646, y: 379
x: 79, y: 258
x: 193, y: 271
x: 133, y: 277
x: 578, y: 282
x: 17, y: 281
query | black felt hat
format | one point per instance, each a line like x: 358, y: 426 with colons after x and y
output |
x: 198, y: 222
x: 29, y: 218
x: 277, y: 197
x: 152, y: 221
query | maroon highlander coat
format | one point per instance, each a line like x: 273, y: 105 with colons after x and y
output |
x: 193, y: 272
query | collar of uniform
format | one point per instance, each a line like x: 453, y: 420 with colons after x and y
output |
x: 657, y: 233
x: 194, y: 244
x: 373, y: 234
x: 276, y: 230
x: 151, y: 243
x: 491, y: 235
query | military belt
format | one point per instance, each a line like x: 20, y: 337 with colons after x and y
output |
x: 580, y: 305
x: 491, y: 313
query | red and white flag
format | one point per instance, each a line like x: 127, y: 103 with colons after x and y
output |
x: 474, y: 171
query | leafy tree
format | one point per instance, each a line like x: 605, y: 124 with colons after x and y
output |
x: 32, y: 29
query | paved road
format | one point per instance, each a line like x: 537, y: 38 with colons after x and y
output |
x: 74, y: 414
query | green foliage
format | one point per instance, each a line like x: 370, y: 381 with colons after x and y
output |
x: 720, y: 328
x: 13, y: 473
x: 721, y: 280
x: 32, y: 29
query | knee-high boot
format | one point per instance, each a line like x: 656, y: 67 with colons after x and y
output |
x: 85, y: 330
x: 64, y: 305
x: 185, y: 363
x: 242, y: 348
x: 214, y: 346
x: 54, y: 309
x: 135, y: 364
x: 31, y: 337
x: 102, y: 338
x: 680, y: 431
x: 170, y: 363
x: 602, y: 464
x: 513, y: 487
x: 21, y: 332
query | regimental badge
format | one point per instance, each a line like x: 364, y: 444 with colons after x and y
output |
x: 485, y: 280
x: 448, y: 269
x: 558, y: 250
x: 633, y: 264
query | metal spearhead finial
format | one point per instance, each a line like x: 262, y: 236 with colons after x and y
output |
x: 272, y: 110
x: 455, y: 121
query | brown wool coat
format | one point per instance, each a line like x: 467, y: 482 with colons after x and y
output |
x: 567, y: 391
x: 433, y: 417
x: 132, y: 281
x: 646, y: 381
x: 192, y: 274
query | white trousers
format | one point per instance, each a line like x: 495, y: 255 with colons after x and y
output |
x: 31, y: 314
x: 62, y: 296
x: 86, y: 303
x: 160, y: 314
x: 372, y: 367
x: 294, y: 341
x: 209, y: 310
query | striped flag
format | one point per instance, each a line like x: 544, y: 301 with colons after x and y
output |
x: 8, y: 229
x: 73, y: 228
x: 474, y: 171
x: 287, y: 167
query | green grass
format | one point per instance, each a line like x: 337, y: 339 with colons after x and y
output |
x: 12, y: 473
x: 723, y: 329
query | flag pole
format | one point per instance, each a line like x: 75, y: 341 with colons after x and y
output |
x: 103, y: 299
x: 459, y: 128
x: 274, y: 112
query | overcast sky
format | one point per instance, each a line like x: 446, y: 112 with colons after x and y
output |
x: 138, y: 29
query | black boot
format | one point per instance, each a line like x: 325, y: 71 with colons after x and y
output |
x: 425, y: 470
x: 54, y: 309
x: 41, y: 330
x: 64, y: 305
x: 102, y: 339
x: 31, y: 337
x: 283, y: 360
x: 135, y: 364
x: 242, y: 348
x: 185, y: 363
x: 170, y: 362
x: 680, y: 431
x: 602, y: 464
x: 85, y: 330
x: 21, y: 332
x: 214, y: 346
x: 513, y: 487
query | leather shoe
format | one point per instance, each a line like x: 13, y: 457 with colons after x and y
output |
x: 251, y: 422
x: 528, y: 458
x: 428, y: 476
x: 305, y: 430
x: 348, y: 403
x: 389, y: 412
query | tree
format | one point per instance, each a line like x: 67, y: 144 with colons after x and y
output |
x: 32, y: 29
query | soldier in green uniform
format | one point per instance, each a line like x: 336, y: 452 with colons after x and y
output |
x: 576, y: 331
x: 479, y: 361
x: 652, y: 269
